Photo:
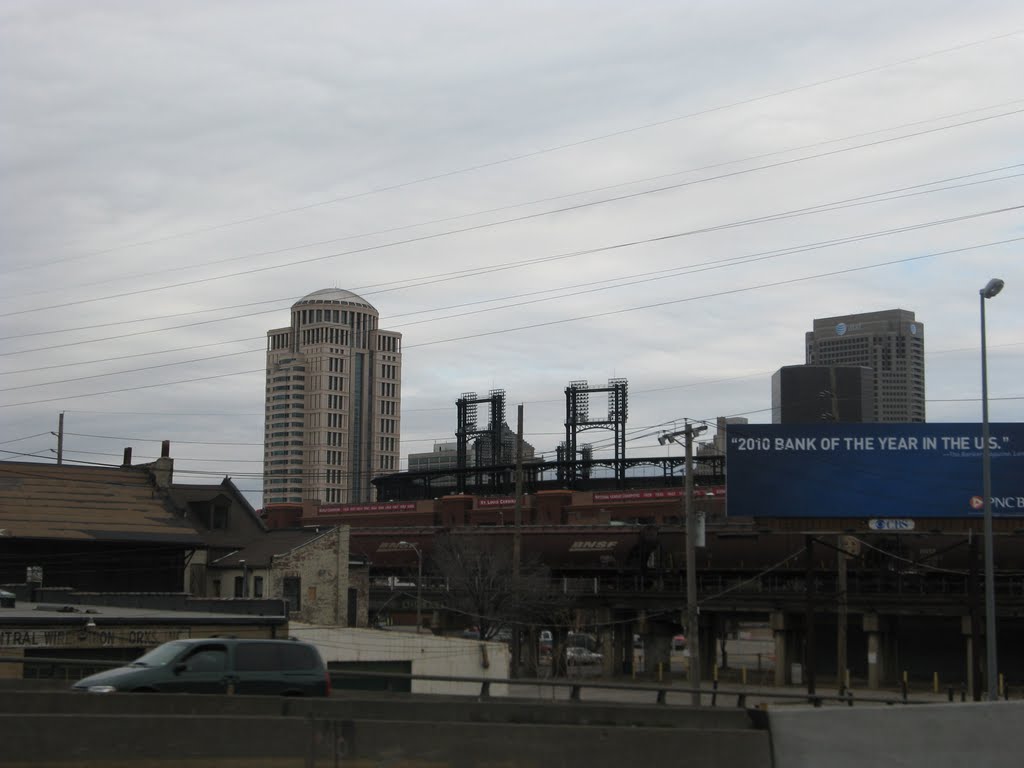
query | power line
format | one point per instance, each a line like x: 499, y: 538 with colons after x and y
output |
x: 447, y: 219
x: 578, y: 318
x: 134, y: 389
x: 707, y: 266
x: 189, y: 348
x: 488, y: 225
x: 885, y: 196
x: 132, y: 370
x: 539, y: 152
x: 19, y: 439
x: 715, y: 295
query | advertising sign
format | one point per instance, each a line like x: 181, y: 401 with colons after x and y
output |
x: 662, y: 494
x: 872, y: 471
x: 391, y: 506
x: 497, y: 502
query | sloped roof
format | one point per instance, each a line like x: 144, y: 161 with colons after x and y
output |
x: 276, y: 541
x: 48, y: 501
x: 242, y: 528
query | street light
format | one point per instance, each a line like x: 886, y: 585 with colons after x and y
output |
x: 991, y: 290
x: 419, y: 581
x: 692, y: 615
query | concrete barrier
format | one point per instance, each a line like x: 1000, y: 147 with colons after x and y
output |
x: 90, y: 741
x: 362, y: 706
x: 985, y: 734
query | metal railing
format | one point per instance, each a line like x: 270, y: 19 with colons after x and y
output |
x: 399, y: 682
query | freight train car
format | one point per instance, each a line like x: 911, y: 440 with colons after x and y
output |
x: 565, y: 549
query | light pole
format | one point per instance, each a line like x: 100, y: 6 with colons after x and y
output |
x: 692, y: 614
x: 419, y: 581
x: 991, y: 289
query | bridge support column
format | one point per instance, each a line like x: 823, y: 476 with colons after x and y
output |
x: 785, y: 650
x: 529, y: 643
x: 708, y: 649
x: 880, y: 650
x: 657, y: 642
x: 629, y: 657
x: 609, y: 639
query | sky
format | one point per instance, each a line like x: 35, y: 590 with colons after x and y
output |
x: 531, y: 193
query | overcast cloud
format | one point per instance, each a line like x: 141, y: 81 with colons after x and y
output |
x: 176, y: 174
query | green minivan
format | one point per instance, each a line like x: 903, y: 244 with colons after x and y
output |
x: 220, y: 665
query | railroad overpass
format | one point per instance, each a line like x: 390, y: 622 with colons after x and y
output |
x: 912, y: 597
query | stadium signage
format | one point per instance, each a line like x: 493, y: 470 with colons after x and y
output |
x: 504, y: 502
x: 396, y: 506
x: 665, y: 493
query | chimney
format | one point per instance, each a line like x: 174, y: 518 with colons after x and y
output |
x: 127, y: 460
x: 163, y: 468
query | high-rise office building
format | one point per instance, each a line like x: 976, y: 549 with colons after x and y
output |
x: 333, y: 401
x: 891, y: 343
x: 443, y: 456
x: 808, y: 394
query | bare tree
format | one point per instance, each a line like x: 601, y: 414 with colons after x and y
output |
x: 483, y: 584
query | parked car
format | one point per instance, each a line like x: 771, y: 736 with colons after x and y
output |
x: 678, y: 642
x: 579, y: 656
x: 581, y: 640
x: 545, y: 642
x: 220, y: 665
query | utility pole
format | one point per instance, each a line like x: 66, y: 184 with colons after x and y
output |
x: 810, y: 647
x: 517, y: 543
x: 60, y: 438
x: 692, y: 610
x: 842, y: 614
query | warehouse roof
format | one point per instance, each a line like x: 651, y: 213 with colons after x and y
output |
x: 47, y: 501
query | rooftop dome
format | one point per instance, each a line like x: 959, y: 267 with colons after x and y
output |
x: 335, y: 296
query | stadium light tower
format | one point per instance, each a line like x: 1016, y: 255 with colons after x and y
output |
x: 692, y: 614
x: 991, y: 290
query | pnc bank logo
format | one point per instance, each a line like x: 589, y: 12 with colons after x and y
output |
x: 999, y: 502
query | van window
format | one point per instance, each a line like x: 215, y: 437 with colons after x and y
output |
x: 257, y: 657
x: 298, y: 657
x: 207, y: 659
x: 161, y: 655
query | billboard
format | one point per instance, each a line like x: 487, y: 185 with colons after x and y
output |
x: 872, y: 470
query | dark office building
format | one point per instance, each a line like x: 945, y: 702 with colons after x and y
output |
x: 807, y: 394
x: 891, y: 343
